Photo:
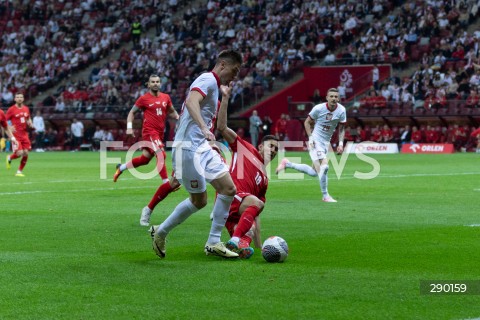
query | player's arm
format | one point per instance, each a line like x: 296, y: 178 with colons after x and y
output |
x: 193, y: 106
x: 130, y: 118
x: 228, y: 134
x: 341, y: 137
x: 29, y: 122
x: 309, y: 123
x: 9, y: 133
x: 173, y: 113
x: 257, y: 238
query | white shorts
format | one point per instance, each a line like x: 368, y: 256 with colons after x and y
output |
x: 320, y: 151
x: 194, y: 169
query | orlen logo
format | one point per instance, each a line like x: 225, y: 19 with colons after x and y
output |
x: 414, y: 147
x: 362, y: 148
x: 432, y: 148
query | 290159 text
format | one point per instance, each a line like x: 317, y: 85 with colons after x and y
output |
x: 433, y: 287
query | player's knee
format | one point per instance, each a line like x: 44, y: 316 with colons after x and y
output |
x: 230, y: 190
x: 199, y: 203
x: 259, y: 204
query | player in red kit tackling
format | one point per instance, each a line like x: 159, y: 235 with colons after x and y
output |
x: 19, y: 117
x: 250, y: 178
x: 155, y: 106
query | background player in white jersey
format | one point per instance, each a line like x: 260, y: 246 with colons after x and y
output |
x: 195, y: 162
x: 320, y: 126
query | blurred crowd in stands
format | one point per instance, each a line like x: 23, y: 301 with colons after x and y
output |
x: 45, y: 42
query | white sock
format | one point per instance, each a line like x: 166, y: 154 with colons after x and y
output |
x: 322, y: 176
x: 181, y: 212
x: 302, y: 167
x: 220, y: 215
x: 123, y: 167
x: 235, y: 239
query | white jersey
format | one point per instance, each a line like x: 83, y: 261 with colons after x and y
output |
x: 207, y: 84
x: 326, y: 121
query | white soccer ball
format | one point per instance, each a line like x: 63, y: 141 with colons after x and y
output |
x: 275, y: 249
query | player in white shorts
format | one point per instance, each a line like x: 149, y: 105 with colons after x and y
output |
x: 194, y: 161
x: 320, y: 126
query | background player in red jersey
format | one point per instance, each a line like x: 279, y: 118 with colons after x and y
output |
x: 155, y: 106
x: 250, y: 178
x: 19, y: 117
x: 4, y: 125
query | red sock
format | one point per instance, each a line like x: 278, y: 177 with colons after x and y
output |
x: 246, y: 221
x: 162, y: 192
x: 161, y: 167
x: 23, y: 162
x: 138, y: 161
x: 244, y: 242
x: 14, y: 156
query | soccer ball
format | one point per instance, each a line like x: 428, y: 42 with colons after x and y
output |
x: 275, y: 249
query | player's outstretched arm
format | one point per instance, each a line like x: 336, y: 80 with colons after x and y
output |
x: 228, y: 134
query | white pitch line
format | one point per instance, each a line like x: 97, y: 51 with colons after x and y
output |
x: 69, y: 191
x: 394, y: 176
x: 271, y: 181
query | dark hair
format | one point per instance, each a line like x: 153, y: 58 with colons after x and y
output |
x: 231, y: 55
x: 269, y: 137
x: 332, y: 90
x: 151, y: 76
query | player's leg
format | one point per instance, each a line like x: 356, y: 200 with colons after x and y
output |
x: 161, y: 166
x: 249, y: 209
x: 16, y: 152
x: 23, y: 163
x: 225, y: 192
x: 162, y: 192
x: 323, y: 177
x: 217, y: 174
x: 195, y: 184
x: 318, y: 154
x: 181, y: 213
x: 141, y: 160
x: 285, y: 163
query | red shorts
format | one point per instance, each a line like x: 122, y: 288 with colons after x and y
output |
x: 234, y: 213
x: 155, y: 142
x: 23, y: 142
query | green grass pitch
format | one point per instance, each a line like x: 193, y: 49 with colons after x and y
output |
x: 71, y: 246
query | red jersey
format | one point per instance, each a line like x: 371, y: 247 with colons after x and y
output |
x: 19, y: 118
x: 247, y: 169
x: 416, y: 136
x: 3, y: 119
x: 155, y: 110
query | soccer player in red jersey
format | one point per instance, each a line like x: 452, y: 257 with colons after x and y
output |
x: 155, y: 106
x: 4, y: 125
x: 19, y: 117
x: 250, y: 178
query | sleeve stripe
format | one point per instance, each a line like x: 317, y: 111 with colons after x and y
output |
x: 199, y: 91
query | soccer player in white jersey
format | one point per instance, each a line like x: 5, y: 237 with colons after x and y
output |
x: 195, y: 162
x: 320, y: 126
